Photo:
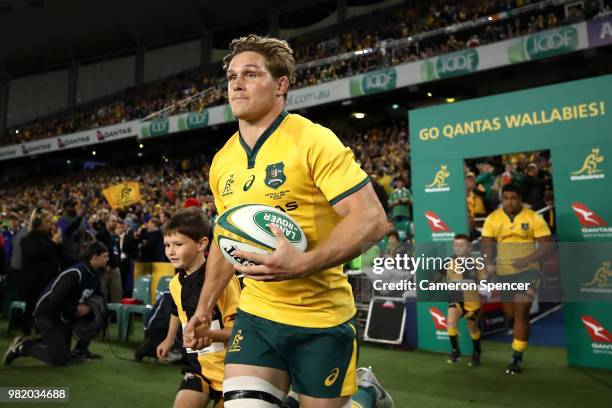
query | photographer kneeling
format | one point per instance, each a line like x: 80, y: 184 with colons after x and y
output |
x: 71, y: 302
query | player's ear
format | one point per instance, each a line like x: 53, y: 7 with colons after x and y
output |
x: 283, y: 86
x: 203, y: 244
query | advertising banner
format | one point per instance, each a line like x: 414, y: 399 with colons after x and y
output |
x: 573, y: 121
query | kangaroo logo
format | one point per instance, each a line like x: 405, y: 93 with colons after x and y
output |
x: 235, y: 347
x: 602, y: 276
x: 227, y: 189
x: 125, y: 193
x: 589, y: 168
x: 440, y: 180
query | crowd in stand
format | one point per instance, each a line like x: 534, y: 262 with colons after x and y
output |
x: 405, y: 22
x: 72, y: 211
x: 382, y: 151
x: 46, y: 222
x: 164, y: 189
x: 76, y: 211
x: 131, y: 105
x: 401, y: 22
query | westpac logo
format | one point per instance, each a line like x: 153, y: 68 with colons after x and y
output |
x: 589, y: 170
x: 600, y: 337
x: 593, y: 226
x: 439, y: 182
x: 602, y: 280
x: 439, y: 229
x: 450, y: 65
x: 374, y: 82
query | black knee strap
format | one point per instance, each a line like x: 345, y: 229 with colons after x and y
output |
x: 260, y: 395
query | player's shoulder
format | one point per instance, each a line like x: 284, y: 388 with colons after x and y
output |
x: 305, y: 129
x: 229, y: 145
x: 529, y: 214
x: 227, y: 149
x: 496, y: 215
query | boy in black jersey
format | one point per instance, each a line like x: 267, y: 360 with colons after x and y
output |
x: 185, y: 240
x: 463, y: 303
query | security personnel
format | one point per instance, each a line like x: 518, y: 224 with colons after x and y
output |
x: 61, y: 304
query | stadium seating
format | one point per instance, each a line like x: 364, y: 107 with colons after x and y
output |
x: 142, y: 292
x: 434, y: 26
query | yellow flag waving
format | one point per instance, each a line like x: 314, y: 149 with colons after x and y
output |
x: 122, y: 194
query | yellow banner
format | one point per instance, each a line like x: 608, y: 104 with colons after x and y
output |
x: 123, y: 194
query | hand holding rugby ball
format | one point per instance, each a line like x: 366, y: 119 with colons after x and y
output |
x: 245, y: 228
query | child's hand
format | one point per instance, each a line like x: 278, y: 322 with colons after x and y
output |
x: 163, y: 348
x: 191, y: 339
x: 207, y: 341
x: 204, y: 334
x: 203, y: 331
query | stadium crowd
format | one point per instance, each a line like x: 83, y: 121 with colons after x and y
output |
x: 401, y: 22
x: 383, y: 151
x: 164, y: 188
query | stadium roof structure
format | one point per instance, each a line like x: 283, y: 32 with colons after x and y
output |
x: 43, y: 34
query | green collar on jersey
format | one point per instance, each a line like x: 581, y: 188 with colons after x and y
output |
x: 252, y: 154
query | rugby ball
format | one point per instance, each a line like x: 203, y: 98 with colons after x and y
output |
x: 245, y: 228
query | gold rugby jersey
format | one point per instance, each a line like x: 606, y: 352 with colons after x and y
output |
x: 515, y: 237
x: 185, y: 290
x: 303, y: 169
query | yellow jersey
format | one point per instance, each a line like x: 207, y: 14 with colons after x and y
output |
x: 303, y: 169
x: 515, y: 237
x: 185, y: 290
x: 475, y: 205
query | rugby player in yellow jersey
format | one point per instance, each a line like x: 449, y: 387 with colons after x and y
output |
x: 296, y: 319
x: 513, y: 231
x: 463, y: 303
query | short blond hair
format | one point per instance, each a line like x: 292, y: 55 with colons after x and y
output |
x: 278, y: 54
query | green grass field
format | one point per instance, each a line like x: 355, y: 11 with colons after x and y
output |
x: 414, y: 379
